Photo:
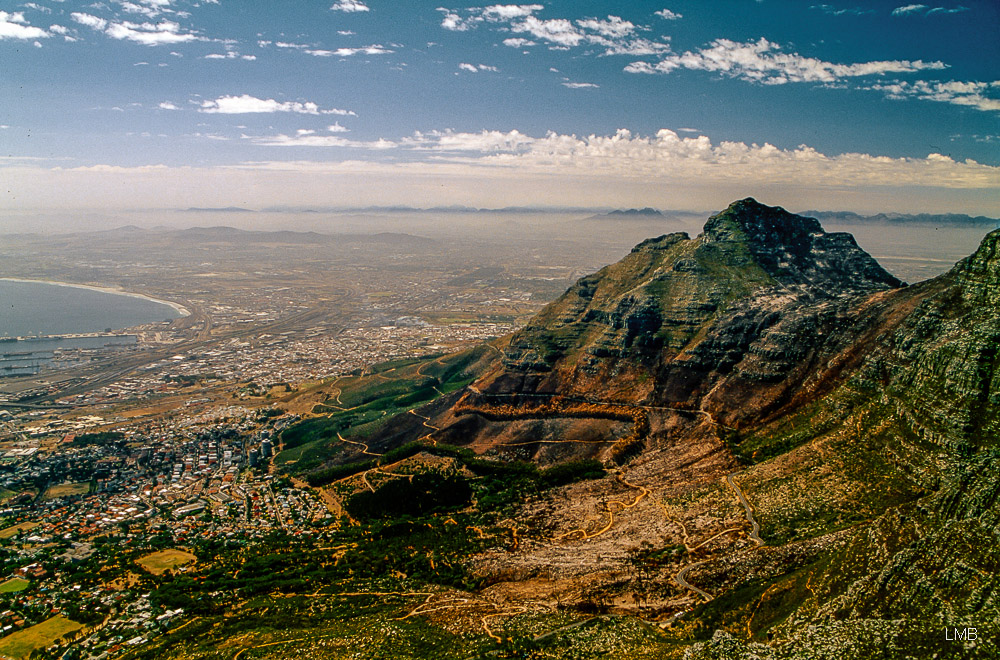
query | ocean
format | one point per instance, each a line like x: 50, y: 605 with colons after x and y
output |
x: 33, y: 309
x: 40, y: 308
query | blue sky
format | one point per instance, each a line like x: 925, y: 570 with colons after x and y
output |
x: 161, y: 103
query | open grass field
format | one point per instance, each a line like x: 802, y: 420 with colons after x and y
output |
x: 66, y: 490
x: 13, y: 584
x: 16, y: 529
x: 160, y: 562
x: 19, y: 645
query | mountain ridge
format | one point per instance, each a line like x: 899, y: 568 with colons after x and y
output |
x: 765, y: 374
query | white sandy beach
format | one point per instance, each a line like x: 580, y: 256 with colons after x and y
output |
x: 183, y: 311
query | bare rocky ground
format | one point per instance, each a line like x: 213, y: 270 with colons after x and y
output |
x: 583, y: 545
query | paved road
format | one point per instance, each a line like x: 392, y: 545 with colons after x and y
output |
x: 755, y: 534
x: 680, y: 578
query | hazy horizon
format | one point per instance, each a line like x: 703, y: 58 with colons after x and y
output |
x: 177, y: 103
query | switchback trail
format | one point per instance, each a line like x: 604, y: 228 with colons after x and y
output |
x: 584, y: 536
x: 364, y: 447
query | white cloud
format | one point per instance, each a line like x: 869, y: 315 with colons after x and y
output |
x: 375, y: 49
x: 89, y: 20
x: 346, y: 33
x: 454, y: 22
x: 557, y: 30
x: 59, y: 29
x: 491, y: 169
x: 337, y: 128
x: 980, y: 95
x: 508, y: 12
x: 132, y: 8
x: 946, y: 10
x: 246, y: 104
x: 311, y: 139
x: 167, y: 105
x: 349, y: 6
x: 908, y: 9
x: 635, y: 47
x: 576, y: 85
x: 668, y: 15
x: 148, y: 34
x: 624, y: 159
x: 764, y: 62
x: 482, y: 142
x: 615, y: 34
x: 833, y: 11
x: 927, y: 11
x: 473, y: 68
x: 229, y: 55
x: 669, y: 156
x: 14, y: 26
x: 613, y: 28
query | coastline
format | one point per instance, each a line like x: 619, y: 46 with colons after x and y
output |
x: 177, y: 307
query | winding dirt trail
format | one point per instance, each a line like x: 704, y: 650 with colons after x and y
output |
x: 364, y: 447
x: 584, y: 536
x: 433, y: 428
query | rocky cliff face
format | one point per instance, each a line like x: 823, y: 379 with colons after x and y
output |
x: 939, y: 367
x: 734, y: 322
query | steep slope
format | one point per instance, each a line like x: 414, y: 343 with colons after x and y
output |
x: 926, y: 401
x: 759, y: 313
x: 802, y: 451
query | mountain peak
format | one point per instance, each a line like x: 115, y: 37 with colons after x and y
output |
x: 795, y: 249
x: 760, y: 223
x: 647, y: 212
x: 981, y: 270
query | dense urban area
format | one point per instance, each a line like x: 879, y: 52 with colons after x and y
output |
x: 122, y: 457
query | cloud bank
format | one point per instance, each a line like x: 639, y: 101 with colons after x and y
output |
x: 765, y: 62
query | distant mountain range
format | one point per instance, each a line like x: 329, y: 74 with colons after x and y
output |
x: 226, y: 234
x: 847, y: 217
x: 645, y: 213
x: 226, y: 209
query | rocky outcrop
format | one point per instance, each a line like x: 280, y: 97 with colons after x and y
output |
x: 751, y: 310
